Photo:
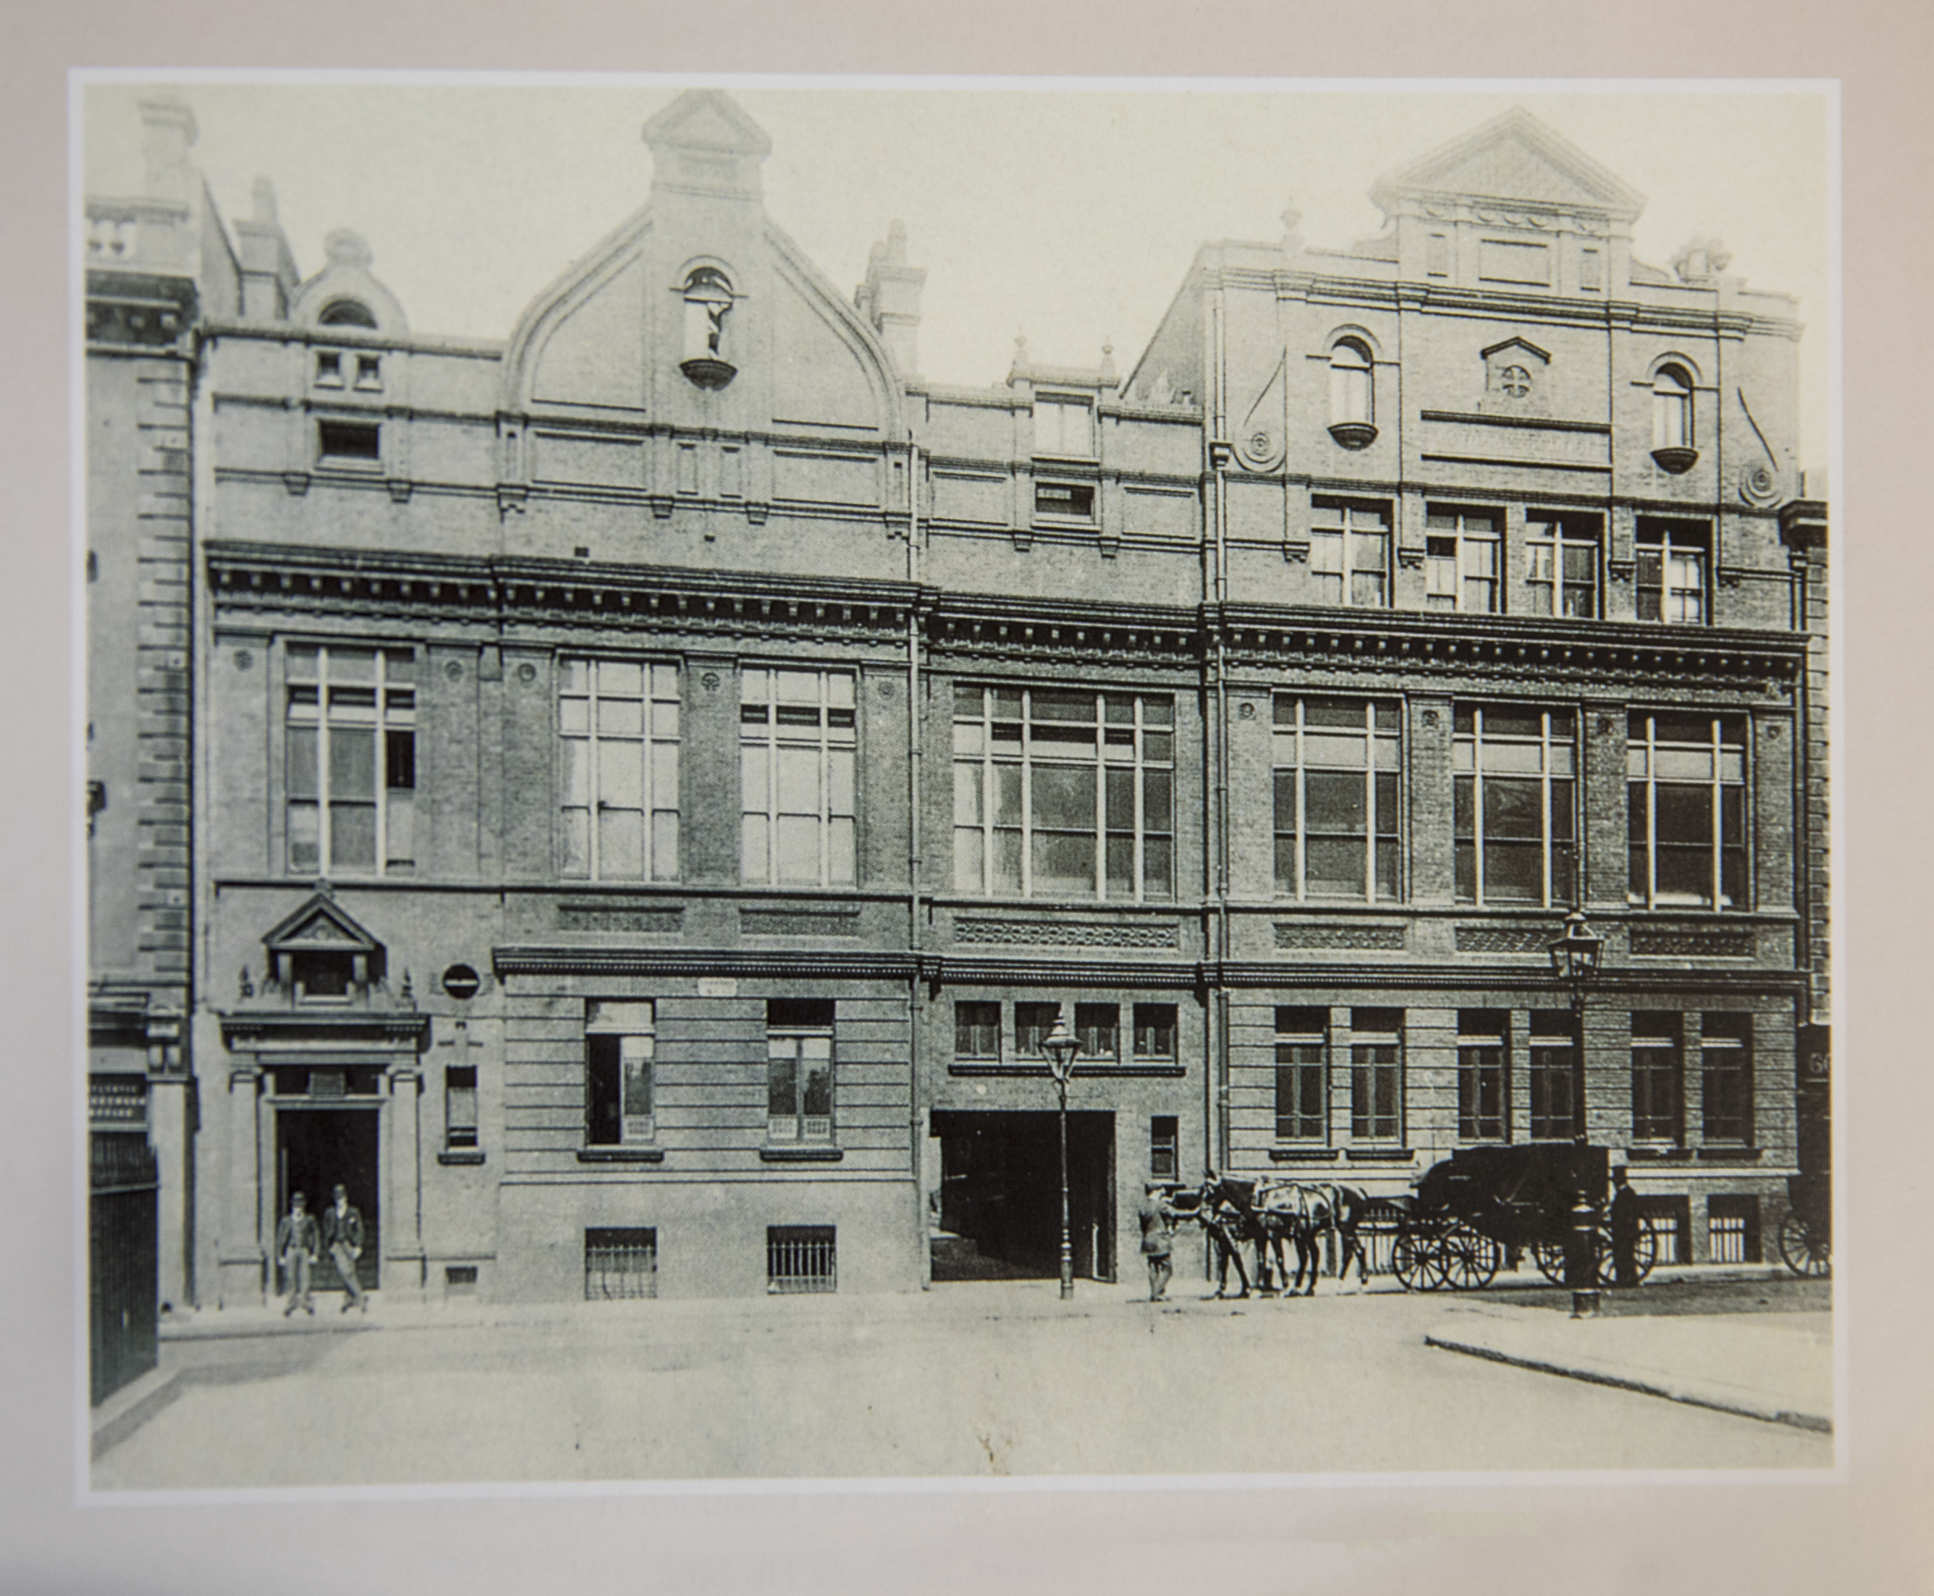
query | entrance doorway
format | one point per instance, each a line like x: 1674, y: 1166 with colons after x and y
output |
x: 1000, y: 1194
x: 318, y: 1149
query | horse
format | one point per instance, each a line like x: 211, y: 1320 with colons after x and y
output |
x: 1233, y: 1210
x: 1305, y: 1211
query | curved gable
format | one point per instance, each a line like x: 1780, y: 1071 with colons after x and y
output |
x: 828, y: 363
x: 582, y: 340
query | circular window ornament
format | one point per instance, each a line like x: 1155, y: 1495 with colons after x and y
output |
x: 462, y: 982
x: 1758, y: 484
x: 1515, y: 381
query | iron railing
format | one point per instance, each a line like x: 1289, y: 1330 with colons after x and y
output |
x: 620, y: 1264
x: 801, y: 1258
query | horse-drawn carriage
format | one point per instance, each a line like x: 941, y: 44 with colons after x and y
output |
x: 1806, y: 1233
x: 1482, y: 1208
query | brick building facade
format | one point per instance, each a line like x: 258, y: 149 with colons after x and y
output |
x: 656, y: 779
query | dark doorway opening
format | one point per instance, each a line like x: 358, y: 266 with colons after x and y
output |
x: 317, y: 1149
x: 1000, y: 1195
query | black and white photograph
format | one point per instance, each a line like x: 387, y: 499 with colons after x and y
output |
x: 797, y: 781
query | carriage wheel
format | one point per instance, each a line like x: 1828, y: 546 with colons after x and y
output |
x: 1470, y: 1260
x: 1550, y: 1258
x: 1645, y: 1252
x: 1803, y: 1247
x: 1416, y: 1262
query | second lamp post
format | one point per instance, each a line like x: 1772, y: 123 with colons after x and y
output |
x: 1061, y: 1045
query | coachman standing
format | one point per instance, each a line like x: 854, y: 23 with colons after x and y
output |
x: 1625, y: 1231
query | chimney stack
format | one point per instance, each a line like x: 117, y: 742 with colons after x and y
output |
x: 890, y: 299
x: 168, y: 133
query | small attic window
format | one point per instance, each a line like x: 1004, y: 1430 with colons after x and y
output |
x: 347, y: 313
x: 349, y: 442
x: 708, y: 302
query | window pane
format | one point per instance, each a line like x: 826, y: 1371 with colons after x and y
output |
x: 1120, y: 798
x: 1158, y: 794
x: 1513, y: 810
x: 839, y: 781
x: 1335, y: 802
x: 819, y: 1087
x: 1334, y: 867
x: 1685, y: 874
x: 1158, y: 868
x: 797, y: 687
x: 753, y: 864
x: 352, y: 763
x: 1064, y: 796
x: 664, y: 845
x: 620, y: 775
x: 967, y: 794
x: 399, y: 829
x: 1685, y: 814
x: 752, y: 775
x: 305, y: 830
x: 602, y: 1099
x: 969, y: 852
x: 302, y: 762
x: 781, y: 1082
x: 1513, y: 872
x: 1059, y: 704
x: 621, y: 844
x: 798, y: 848
x: 621, y: 717
x: 1007, y: 861
x: 1007, y: 795
x: 841, y: 862
x: 619, y: 678
x: 799, y: 780
x: 1064, y: 864
x: 352, y: 836
x: 1336, y: 713
x: 664, y: 775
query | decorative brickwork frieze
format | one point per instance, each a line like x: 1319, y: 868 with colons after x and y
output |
x: 1365, y: 938
x: 1066, y: 933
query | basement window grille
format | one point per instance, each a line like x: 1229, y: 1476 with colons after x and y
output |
x: 801, y: 1258
x: 620, y: 1264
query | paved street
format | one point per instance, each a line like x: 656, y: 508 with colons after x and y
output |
x: 970, y: 1380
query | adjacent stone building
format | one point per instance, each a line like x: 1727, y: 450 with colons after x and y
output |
x: 656, y: 780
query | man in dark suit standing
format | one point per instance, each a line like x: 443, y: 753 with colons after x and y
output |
x: 342, y: 1234
x: 295, y: 1246
x: 1625, y: 1230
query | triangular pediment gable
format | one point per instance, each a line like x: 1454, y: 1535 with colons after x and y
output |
x: 321, y: 924
x: 1515, y: 342
x: 1512, y: 160
x: 705, y: 119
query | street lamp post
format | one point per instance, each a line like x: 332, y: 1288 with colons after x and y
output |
x: 1061, y: 1045
x: 1575, y: 956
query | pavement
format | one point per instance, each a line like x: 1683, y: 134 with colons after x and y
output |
x: 1774, y: 1366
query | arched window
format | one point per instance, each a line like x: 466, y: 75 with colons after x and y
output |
x: 1350, y: 395
x: 347, y: 313
x: 1671, y: 409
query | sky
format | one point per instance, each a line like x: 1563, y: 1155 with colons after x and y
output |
x: 1065, y: 210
